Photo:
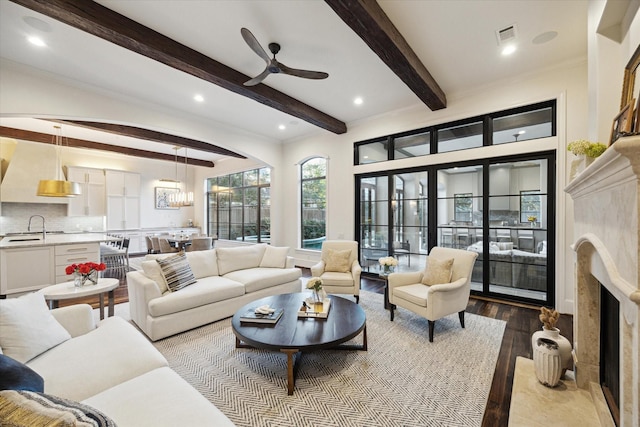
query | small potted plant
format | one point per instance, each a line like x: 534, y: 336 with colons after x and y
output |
x: 315, y: 284
x: 586, y: 151
x: 388, y: 263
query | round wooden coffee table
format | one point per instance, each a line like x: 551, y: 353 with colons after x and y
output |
x: 67, y: 290
x: 292, y: 335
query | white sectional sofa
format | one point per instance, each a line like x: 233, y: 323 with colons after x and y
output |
x: 110, y: 367
x: 226, y: 279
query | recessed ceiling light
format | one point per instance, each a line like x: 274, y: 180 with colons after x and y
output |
x: 36, y: 23
x: 282, y: 127
x: 545, y: 37
x: 508, y: 50
x: 37, y: 41
x: 522, y: 132
x: 358, y: 101
x: 198, y: 98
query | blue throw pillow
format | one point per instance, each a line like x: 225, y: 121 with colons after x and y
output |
x: 18, y: 376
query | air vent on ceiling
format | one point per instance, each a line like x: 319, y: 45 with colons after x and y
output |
x: 506, y: 35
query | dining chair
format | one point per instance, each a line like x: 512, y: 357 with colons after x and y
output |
x: 166, y: 247
x: 200, y: 244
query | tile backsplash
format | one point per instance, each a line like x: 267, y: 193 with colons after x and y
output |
x: 15, y: 218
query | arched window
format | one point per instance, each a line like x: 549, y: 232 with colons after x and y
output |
x: 313, y: 191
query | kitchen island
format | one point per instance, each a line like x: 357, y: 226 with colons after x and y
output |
x: 29, y: 262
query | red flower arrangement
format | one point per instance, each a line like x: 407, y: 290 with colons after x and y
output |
x: 85, y: 268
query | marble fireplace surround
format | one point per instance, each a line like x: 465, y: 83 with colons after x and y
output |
x: 606, y: 223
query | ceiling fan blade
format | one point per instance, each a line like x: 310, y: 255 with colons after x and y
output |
x: 250, y: 39
x: 259, y: 78
x: 317, y: 75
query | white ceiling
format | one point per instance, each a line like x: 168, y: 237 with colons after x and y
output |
x: 455, y: 40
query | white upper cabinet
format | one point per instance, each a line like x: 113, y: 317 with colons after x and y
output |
x: 92, y: 200
x: 123, y: 200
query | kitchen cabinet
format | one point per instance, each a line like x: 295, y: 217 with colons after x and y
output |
x: 74, y: 254
x: 123, y: 200
x: 28, y: 264
x: 26, y: 269
x: 92, y: 200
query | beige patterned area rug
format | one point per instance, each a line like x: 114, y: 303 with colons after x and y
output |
x: 402, y: 380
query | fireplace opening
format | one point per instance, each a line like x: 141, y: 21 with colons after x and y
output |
x: 610, y: 351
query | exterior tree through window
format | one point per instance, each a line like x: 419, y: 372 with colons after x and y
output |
x: 313, y: 188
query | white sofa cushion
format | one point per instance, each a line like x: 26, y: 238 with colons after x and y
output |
x: 159, y: 398
x: 255, y: 279
x: 27, y: 327
x: 176, y: 272
x: 239, y: 258
x: 274, y: 257
x: 205, y: 291
x: 203, y: 263
x: 86, y: 365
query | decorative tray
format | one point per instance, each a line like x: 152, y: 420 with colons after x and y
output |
x: 308, y: 310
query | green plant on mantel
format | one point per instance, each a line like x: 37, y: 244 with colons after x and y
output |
x: 587, y: 148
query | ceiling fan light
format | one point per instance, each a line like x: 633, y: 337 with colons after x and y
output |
x: 57, y: 188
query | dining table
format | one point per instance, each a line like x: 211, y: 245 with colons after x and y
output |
x: 180, y: 242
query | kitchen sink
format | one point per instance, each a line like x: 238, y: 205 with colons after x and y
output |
x: 24, y: 239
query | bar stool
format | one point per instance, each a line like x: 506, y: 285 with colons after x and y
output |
x: 446, y: 237
x: 526, y: 241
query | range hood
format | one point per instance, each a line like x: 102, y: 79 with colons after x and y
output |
x: 30, y: 163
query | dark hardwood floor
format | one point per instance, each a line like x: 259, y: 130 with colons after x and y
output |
x: 522, y: 322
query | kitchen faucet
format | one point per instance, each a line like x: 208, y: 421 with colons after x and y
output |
x: 44, y: 231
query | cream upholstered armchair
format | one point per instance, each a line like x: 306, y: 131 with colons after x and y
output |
x: 442, y: 289
x: 339, y: 268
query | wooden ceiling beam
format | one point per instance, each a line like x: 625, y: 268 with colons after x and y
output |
x: 102, y: 22
x: 367, y: 19
x: 150, y: 135
x: 27, y: 135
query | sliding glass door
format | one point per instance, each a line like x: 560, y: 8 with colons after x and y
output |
x: 500, y: 207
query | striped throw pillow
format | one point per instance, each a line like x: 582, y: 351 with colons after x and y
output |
x: 177, y: 271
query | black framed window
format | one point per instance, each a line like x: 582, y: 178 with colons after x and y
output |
x: 313, y: 189
x: 462, y: 204
x: 239, y: 206
x: 530, y: 205
x: 508, y: 126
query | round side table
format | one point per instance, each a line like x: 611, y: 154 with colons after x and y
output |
x: 67, y: 290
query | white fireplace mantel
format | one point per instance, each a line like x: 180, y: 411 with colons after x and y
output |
x: 606, y: 197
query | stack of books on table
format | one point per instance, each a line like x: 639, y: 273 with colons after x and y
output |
x: 252, y: 317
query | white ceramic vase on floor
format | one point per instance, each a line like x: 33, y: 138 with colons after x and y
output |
x: 564, y: 346
x: 547, y: 361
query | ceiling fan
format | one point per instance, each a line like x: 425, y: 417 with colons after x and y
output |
x: 273, y: 66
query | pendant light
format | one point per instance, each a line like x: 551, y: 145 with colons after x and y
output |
x: 185, y: 198
x: 58, y: 187
x: 173, y: 199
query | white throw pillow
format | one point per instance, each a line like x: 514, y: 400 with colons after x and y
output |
x: 274, y: 257
x: 438, y: 271
x: 27, y: 327
x: 153, y: 271
x: 337, y: 260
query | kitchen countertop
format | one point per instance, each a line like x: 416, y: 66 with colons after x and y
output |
x: 19, y: 241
